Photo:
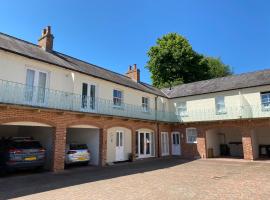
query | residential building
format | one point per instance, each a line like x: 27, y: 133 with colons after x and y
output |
x: 59, y: 99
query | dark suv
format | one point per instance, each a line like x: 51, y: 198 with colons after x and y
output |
x: 21, y: 153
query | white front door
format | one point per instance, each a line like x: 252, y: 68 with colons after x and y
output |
x: 164, y: 144
x: 119, y: 148
x: 176, y: 148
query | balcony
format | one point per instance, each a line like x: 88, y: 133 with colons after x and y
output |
x: 21, y: 94
x: 230, y: 113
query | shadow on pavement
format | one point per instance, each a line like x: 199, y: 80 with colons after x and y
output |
x: 26, y: 184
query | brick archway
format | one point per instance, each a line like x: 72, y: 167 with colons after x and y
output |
x: 28, y: 119
x: 118, y: 125
x: 84, y: 122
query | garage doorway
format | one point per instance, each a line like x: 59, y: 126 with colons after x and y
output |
x: 224, y: 142
x: 261, y: 143
x: 85, y: 135
x: 40, y: 132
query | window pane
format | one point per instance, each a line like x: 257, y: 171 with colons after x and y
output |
x: 41, y: 87
x: 121, y: 139
x: 147, y: 136
x: 92, y: 96
x: 191, y: 134
x: 117, y: 139
x: 141, y: 143
x: 30, y: 76
x: 152, y: 144
x: 137, y: 135
x: 84, y: 95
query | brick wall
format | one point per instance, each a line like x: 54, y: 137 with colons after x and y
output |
x: 60, y: 121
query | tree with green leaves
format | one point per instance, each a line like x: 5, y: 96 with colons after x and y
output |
x: 217, y: 68
x: 173, y: 62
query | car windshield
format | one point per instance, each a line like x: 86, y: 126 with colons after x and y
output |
x: 26, y: 144
x: 78, y: 146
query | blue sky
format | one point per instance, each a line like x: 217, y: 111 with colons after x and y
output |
x: 117, y: 33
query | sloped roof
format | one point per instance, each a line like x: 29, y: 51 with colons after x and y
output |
x: 246, y: 80
x: 33, y: 51
x: 27, y: 49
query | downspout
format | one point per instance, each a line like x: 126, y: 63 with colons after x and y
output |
x: 157, y: 128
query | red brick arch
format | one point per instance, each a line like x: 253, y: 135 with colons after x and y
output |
x: 84, y: 122
x: 146, y: 127
x: 118, y: 125
x: 27, y: 119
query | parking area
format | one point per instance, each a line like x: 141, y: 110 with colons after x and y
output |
x: 38, y: 132
x: 171, y: 178
x: 88, y: 136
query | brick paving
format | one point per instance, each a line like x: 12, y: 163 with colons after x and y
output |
x: 153, y: 179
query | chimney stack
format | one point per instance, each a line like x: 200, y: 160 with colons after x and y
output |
x: 46, y: 40
x: 133, y: 73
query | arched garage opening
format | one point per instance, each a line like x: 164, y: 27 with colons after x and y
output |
x: 85, y: 134
x: 224, y: 142
x: 119, y: 146
x: 261, y: 142
x: 38, y: 131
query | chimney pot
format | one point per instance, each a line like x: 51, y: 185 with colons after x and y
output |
x: 46, y: 40
x: 133, y: 73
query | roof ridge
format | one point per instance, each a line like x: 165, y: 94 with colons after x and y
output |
x: 229, y: 76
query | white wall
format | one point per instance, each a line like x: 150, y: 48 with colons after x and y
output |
x: 111, y: 143
x: 202, y: 107
x: 87, y: 136
x: 66, y: 80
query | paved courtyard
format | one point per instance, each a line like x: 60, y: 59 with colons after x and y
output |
x: 156, y: 179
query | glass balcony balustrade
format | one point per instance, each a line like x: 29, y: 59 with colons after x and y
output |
x: 21, y: 94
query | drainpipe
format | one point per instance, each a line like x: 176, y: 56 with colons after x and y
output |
x: 157, y: 129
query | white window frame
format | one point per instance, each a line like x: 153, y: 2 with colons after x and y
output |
x: 220, y: 103
x: 181, y: 109
x: 88, y: 104
x: 265, y: 104
x: 121, y: 99
x: 191, y: 133
x: 35, y: 84
x: 145, y: 106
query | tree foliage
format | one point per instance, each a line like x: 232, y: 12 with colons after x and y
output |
x: 173, y: 62
x: 217, y: 68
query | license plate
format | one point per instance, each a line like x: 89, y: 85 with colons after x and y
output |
x: 30, y: 158
x: 81, y: 158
